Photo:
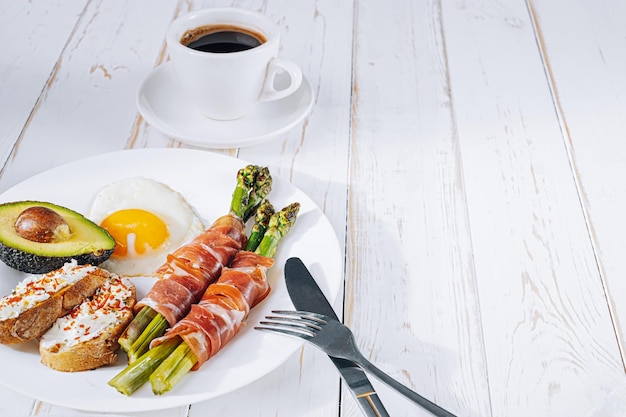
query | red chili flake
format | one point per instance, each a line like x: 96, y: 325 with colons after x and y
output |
x: 15, y: 299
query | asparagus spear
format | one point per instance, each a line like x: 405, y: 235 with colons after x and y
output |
x: 261, y: 223
x: 253, y: 185
x: 136, y: 327
x: 167, y: 366
x: 278, y: 226
x: 134, y: 376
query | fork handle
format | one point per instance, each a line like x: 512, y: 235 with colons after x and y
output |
x: 402, y: 389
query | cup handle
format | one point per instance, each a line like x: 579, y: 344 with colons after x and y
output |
x: 277, y: 66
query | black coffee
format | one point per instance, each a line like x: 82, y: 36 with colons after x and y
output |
x: 221, y: 39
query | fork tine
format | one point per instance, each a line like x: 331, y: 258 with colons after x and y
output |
x: 294, y: 321
x: 295, y: 324
x: 302, y: 324
x: 320, y: 318
x: 293, y: 331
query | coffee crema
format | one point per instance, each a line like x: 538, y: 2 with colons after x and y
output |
x: 222, y: 38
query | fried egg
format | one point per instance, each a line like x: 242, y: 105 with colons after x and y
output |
x: 147, y: 219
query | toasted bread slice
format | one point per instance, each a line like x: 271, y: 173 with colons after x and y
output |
x: 87, y: 337
x: 39, y: 300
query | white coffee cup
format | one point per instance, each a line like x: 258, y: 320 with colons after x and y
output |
x: 227, y: 86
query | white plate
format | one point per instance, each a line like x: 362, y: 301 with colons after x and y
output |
x: 160, y: 102
x: 207, y: 181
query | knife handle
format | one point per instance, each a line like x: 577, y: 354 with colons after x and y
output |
x: 408, y: 393
x: 371, y: 405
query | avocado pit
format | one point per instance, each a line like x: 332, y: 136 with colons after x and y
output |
x: 43, y: 225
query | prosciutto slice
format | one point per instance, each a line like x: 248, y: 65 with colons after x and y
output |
x: 190, y: 269
x: 217, y: 318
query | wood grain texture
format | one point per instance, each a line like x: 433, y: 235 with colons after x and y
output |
x: 590, y: 96
x: 548, y: 338
x: 88, y: 106
x: 34, y: 36
x: 410, y: 270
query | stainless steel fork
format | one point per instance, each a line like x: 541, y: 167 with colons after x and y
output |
x: 337, y: 340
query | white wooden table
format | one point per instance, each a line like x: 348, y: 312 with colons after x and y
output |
x: 470, y: 155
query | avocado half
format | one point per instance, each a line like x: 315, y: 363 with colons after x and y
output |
x: 86, y: 242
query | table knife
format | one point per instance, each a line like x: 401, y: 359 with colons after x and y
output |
x: 307, y: 296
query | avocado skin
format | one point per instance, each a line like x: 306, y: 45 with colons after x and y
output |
x: 38, y: 264
x: 89, y: 244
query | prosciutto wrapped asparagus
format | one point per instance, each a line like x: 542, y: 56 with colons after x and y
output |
x: 193, y: 267
x: 214, y: 321
x: 217, y: 318
x: 190, y: 269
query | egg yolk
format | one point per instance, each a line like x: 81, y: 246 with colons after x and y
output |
x: 135, y: 231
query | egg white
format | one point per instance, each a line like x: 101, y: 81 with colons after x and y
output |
x: 182, y: 222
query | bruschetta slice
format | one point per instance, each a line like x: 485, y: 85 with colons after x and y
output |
x: 87, y: 337
x: 39, y: 300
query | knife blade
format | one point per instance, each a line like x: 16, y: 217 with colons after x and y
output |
x: 306, y: 295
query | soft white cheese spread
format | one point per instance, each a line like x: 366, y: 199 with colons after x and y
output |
x: 37, y: 288
x: 89, y: 319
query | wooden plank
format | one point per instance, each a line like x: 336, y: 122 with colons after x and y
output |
x: 549, y: 343
x: 88, y: 106
x: 33, y: 37
x: 411, y: 294
x: 590, y: 91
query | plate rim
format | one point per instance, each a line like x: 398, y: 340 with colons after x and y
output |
x: 131, y: 404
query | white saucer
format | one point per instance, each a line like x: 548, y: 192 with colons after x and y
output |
x: 161, y: 104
